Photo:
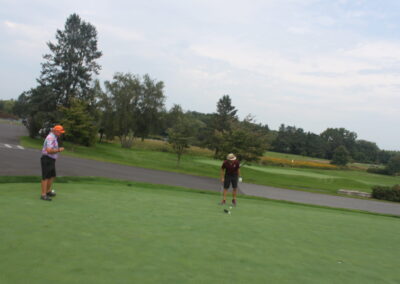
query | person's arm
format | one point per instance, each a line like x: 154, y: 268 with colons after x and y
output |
x: 222, y: 174
x: 51, y: 147
x: 54, y: 151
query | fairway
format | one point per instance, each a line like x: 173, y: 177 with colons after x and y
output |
x: 120, y: 232
x: 144, y: 154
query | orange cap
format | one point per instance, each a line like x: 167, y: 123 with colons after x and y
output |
x: 59, y: 128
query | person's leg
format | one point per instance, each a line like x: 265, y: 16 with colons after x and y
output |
x: 226, y: 184
x: 45, y: 178
x: 225, y: 192
x: 44, y: 186
x: 234, y: 190
x: 234, y: 193
x: 49, y: 184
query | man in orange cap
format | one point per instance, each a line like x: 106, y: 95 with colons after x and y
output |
x: 48, y: 161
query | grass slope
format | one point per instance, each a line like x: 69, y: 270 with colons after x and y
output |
x: 117, y: 232
x: 197, y: 162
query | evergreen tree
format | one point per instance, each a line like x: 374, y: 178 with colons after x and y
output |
x: 69, y: 66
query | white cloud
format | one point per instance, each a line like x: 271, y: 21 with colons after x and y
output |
x: 26, y: 31
x: 123, y: 34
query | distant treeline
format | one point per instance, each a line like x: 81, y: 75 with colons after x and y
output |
x: 114, y: 119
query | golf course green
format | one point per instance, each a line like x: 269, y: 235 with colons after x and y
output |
x: 107, y: 231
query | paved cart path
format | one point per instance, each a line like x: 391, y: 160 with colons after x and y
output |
x: 16, y: 160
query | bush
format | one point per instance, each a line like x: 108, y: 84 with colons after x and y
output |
x: 267, y: 161
x: 380, y: 171
x: 387, y: 193
x: 341, y: 156
x: 393, y: 166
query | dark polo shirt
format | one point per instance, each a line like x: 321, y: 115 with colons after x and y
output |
x: 231, y: 168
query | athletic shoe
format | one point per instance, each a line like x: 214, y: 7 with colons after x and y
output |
x: 51, y: 193
x: 222, y: 202
x: 45, y: 197
x: 234, y: 202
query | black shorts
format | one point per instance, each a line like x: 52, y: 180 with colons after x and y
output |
x: 48, y: 167
x: 231, y: 179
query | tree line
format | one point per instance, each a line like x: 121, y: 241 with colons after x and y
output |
x: 131, y: 106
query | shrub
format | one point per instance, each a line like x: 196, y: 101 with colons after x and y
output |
x: 296, y: 164
x: 341, y: 156
x: 393, y: 166
x: 375, y: 170
x: 386, y: 192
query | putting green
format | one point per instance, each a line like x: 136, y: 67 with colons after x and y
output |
x: 115, y: 232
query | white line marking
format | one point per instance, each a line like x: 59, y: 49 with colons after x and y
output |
x: 8, y: 146
x: 20, y: 147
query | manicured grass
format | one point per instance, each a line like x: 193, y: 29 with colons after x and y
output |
x: 199, y: 163
x: 118, y: 232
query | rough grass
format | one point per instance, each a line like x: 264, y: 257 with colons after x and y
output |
x: 118, y: 232
x: 146, y: 155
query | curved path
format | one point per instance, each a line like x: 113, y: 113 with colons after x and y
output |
x: 14, y: 160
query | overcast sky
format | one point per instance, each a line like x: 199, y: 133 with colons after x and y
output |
x: 305, y: 63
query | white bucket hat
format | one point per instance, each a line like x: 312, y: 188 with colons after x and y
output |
x: 231, y: 157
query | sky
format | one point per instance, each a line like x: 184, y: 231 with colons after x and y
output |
x: 312, y: 64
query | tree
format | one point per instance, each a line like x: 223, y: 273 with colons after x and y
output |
x: 150, y: 104
x: 180, y: 133
x: 365, y: 151
x: 393, y: 166
x: 315, y: 146
x: 80, y: 126
x: 335, y: 137
x: 221, y: 123
x: 246, y: 139
x: 69, y: 66
x: 38, y: 108
x: 123, y: 97
x: 226, y: 114
x: 6, y: 106
x: 290, y: 140
x: 340, y: 156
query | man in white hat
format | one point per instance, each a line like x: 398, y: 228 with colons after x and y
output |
x: 230, y: 172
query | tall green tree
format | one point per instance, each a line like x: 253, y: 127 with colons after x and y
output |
x: 226, y: 114
x: 221, y: 124
x: 66, y: 76
x: 340, y: 156
x: 81, y: 129
x: 150, y: 105
x: 365, y: 151
x: 247, y: 143
x: 181, y: 132
x: 123, y: 98
x: 393, y: 166
x: 72, y: 61
x: 290, y: 139
x: 335, y: 137
x: 37, y: 107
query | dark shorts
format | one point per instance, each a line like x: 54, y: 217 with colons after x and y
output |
x: 48, y: 167
x: 231, y: 179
